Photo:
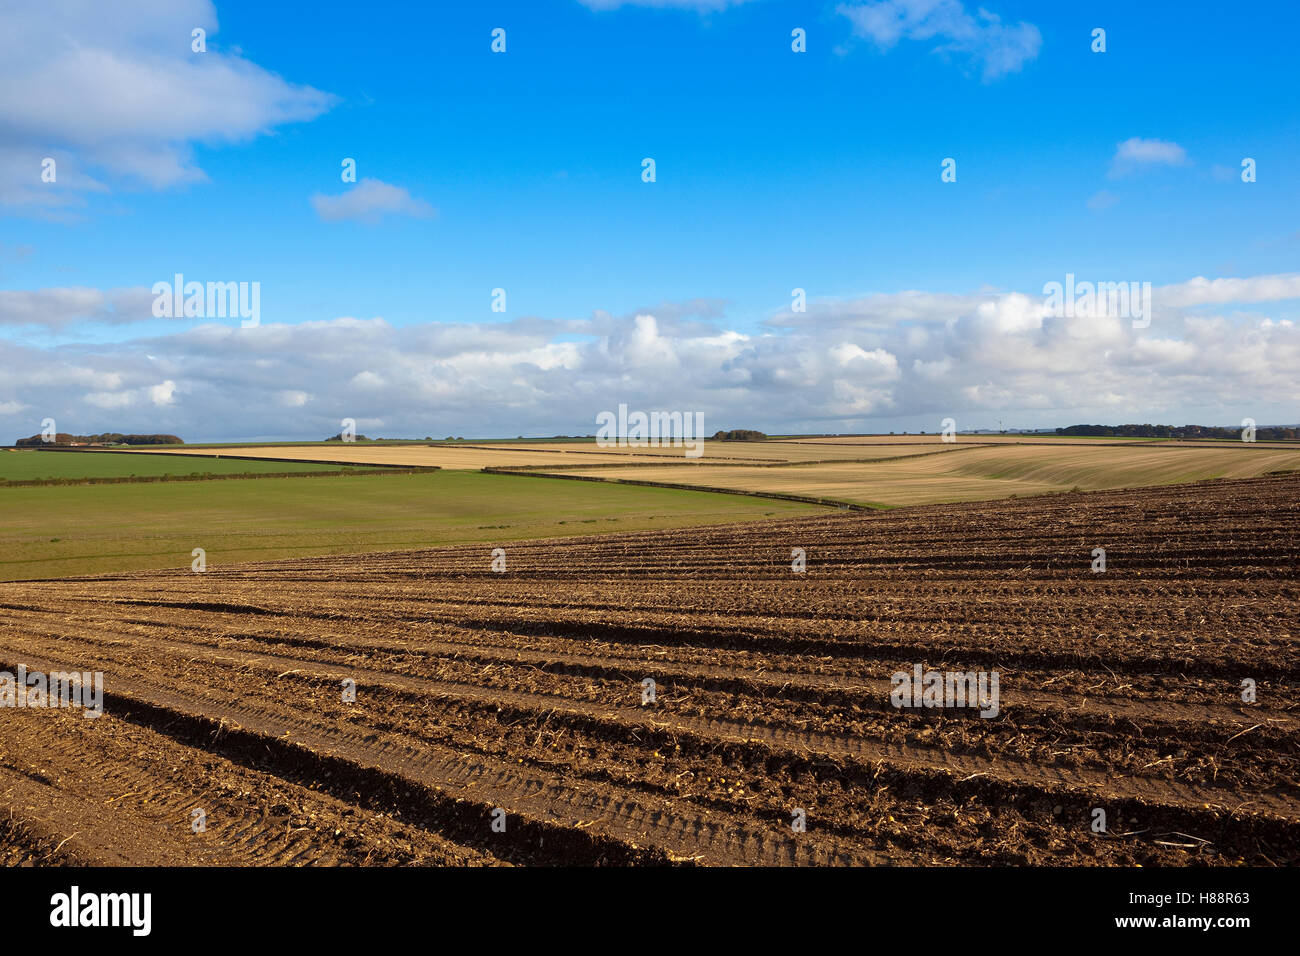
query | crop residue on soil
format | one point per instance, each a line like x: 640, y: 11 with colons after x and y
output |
x: 499, y: 717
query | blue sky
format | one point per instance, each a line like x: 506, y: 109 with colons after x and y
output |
x: 522, y: 171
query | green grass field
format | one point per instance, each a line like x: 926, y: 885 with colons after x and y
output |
x: 25, y: 465
x: 60, y: 530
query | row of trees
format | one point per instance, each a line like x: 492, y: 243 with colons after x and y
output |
x: 108, y: 438
x: 739, y: 434
x: 1175, y: 431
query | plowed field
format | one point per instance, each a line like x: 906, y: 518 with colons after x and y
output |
x: 516, y: 698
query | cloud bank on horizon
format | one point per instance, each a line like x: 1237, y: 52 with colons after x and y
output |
x: 910, y: 357
x: 224, y: 164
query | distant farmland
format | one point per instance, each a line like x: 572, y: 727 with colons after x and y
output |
x: 880, y: 471
x: 53, y: 531
x: 970, y: 472
x: 523, y: 454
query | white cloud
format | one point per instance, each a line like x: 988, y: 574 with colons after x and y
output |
x: 984, y: 39
x: 23, y: 190
x: 1137, y: 153
x: 160, y: 396
x: 877, y: 363
x: 368, y: 202
x: 1156, y: 352
x: 116, y: 87
x: 56, y: 308
x: 879, y: 310
x: 845, y: 364
x: 162, y: 393
x: 1203, y: 291
x: 293, y: 398
x: 111, y: 400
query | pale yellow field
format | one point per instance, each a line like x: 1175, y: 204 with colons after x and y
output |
x: 558, y: 454
x: 850, y: 440
x: 766, y: 451
x: 900, y: 470
x: 933, y: 438
x: 974, y: 473
x: 364, y: 453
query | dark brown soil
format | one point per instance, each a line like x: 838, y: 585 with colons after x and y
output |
x: 522, y: 692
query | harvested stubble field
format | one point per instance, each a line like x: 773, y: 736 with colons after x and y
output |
x: 964, y: 471
x: 554, y: 454
x: 522, y: 691
x: 440, y: 456
x: 1027, y: 438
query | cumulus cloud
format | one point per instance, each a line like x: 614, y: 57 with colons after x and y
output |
x: 878, y: 310
x: 56, y: 308
x: 845, y: 365
x: 115, y: 87
x: 1137, y: 153
x: 369, y: 201
x: 1203, y: 291
x: 24, y: 188
x: 163, y: 393
x: 293, y: 398
x: 157, y: 395
x: 982, y: 38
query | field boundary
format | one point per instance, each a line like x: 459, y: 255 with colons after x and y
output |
x: 802, y: 499
x: 1063, y: 441
x: 294, y: 461
x: 739, y: 462
x: 211, y: 476
x: 633, y: 453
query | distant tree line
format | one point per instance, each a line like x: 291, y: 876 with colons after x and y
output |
x: 740, y: 434
x: 1175, y: 431
x: 108, y: 438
